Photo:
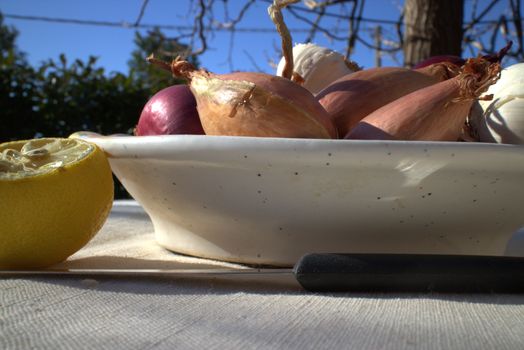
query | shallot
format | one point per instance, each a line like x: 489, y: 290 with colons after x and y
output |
x: 435, y: 113
x: 354, y: 96
x: 256, y: 104
x: 253, y: 104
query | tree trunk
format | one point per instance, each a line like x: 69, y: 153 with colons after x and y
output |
x: 432, y: 27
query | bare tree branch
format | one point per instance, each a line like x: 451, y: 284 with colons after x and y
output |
x: 354, y: 24
x: 232, y: 23
x: 517, y: 22
x: 328, y: 33
x: 198, y: 30
x: 477, y: 19
x: 253, y: 61
x: 341, y: 22
x: 141, y: 14
x: 315, y: 25
x: 398, y: 27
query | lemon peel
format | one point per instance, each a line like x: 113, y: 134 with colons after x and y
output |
x: 55, y: 195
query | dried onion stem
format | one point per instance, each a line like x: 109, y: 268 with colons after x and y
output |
x: 275, y: 12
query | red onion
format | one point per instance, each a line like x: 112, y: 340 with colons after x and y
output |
x: 456, y: 60
x: 170, y: 111
x: 459, y: 61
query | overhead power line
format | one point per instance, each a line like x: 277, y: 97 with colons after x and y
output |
x: 125, y: 24
x: 137, y: 24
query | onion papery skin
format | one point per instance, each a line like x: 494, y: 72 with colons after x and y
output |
x: 501, y: 120
x: 459, y: 61
x: 351, y: 98
x: 258, y: 104
x: 435, y: 113
x: 317, y: 66
x: 456, y: 60
x: 170, y: 111
x: 424, y: 115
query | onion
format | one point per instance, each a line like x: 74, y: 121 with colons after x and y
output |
x: 256, y: 104
x: 354, y: 96
x: 170, y: 111
x: 459, y: 61
x: 434, y: 113
x: 456, y: 60
x: 253, y: 104
x: 317, y: 66
x: 501, y: 120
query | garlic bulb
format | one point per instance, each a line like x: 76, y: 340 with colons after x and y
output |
x: 318, y: 66
x: 501, y: 120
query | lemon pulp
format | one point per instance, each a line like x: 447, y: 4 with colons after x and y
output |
x: 40, y: 156
x: 55, y: 195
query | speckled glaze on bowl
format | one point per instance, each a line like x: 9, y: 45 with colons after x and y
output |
x: 269, y: 201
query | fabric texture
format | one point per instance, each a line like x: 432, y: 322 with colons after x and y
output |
x: 166, y: 313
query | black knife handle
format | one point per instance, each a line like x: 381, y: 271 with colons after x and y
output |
x: 410, y: 273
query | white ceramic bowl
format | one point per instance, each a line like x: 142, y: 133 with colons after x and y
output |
x: 269, y: 201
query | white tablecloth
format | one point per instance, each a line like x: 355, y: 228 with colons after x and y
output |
x: 164, y: 313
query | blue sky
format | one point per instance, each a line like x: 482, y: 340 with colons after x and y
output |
x: 113, y: 45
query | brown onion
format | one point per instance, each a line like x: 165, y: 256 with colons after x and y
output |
x: 434, y: 113
x: 354, y: 96
x: 170, y: 111
x: 253, y: 104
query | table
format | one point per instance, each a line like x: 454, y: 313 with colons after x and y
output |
x: 165, y: 313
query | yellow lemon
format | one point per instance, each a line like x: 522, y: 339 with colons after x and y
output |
x: 55, y: 195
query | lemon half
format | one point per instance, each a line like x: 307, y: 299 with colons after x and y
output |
x: 55, y: 195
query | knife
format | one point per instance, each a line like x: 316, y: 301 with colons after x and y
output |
x: 331, y: 272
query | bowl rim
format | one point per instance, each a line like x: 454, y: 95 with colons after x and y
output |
x: 122, y: 145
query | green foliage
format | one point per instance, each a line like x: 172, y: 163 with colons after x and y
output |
x: 17, y: 87
x: 60, y: 97
x: 8, y: 50
x: 157, y: 44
